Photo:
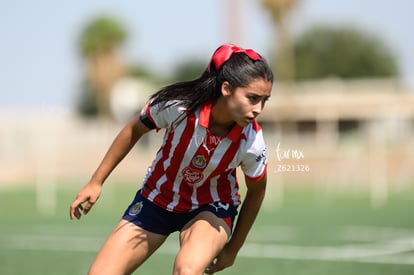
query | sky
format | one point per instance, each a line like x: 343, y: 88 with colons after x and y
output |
x: 40, y: 64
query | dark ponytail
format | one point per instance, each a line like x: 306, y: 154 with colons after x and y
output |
x: 229, y: 63
x: 190, y: 94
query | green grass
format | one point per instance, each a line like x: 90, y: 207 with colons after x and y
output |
x: 313, y: 232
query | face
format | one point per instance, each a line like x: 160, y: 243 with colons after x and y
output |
x: 244, y: 104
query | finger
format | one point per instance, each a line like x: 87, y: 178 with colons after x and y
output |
x: 74, y: 208
x: 88, y: 207
x: 75, y: 211
x: 210, y: 268
x: 214, y: 267
x: 78, y: 211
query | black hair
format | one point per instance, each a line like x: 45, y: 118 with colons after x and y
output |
x: 238, y: 71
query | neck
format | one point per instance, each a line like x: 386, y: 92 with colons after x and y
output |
x: 219, y: 124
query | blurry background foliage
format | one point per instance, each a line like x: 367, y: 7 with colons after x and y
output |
x: 100, y: 35
x: 99, y: 44
x: 343, y: 52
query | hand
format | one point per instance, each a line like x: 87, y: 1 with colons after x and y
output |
x: 89, y: 193
x: 223, y: 260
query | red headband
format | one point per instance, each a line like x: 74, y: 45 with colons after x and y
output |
x: 224, y: 52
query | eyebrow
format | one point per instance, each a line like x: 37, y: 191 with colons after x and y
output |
x: 258, y: 95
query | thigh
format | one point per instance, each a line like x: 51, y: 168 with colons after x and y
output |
x: 126, y: 248
x: 200, y: 242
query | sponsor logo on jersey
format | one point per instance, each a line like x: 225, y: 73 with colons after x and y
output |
x: 262, y: 157
x: 199, y: 161
x: 135, y: 209
x: 192, y: 176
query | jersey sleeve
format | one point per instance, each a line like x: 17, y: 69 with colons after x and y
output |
x: 254, y: 162
x: 158, y: 116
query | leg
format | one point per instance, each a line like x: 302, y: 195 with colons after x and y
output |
x: 127, y: 247
x: 201, y: 240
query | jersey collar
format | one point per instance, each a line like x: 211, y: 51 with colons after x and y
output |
x: 235, y: 133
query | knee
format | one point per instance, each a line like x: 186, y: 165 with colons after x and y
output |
x: 183, y: 267
x: 186, y: 270
x: 181, y: 270
x: 104, y: 270
x: 94, y: 270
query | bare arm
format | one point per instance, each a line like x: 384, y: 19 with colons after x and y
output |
x: 120, y: 147
x: 248, y: 213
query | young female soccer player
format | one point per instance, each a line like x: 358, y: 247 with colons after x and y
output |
x: 191, y: 186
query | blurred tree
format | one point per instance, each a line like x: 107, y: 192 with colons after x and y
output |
x: 142, y: 72
x: 189, y: 70
x: 345, y: 52
x: 86, y: 104
x: 99, y: 44
x: 283, y: 57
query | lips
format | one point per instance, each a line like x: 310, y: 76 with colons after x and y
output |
x: 246, y: 120
x: 249, y: 119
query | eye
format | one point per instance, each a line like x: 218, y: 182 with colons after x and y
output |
x: 264, y: 100
x: 254, y: 99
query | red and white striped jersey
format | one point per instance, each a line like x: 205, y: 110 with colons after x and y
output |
x: 194, y: 167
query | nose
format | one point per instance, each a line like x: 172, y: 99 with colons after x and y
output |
x: 257, y: 108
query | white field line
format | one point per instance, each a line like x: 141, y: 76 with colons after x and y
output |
x: 359, y: 253
x: 387, y: 246
x: 349, y: 233
x: 373, y: 234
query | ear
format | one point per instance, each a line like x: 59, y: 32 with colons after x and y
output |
x: 226, y: 88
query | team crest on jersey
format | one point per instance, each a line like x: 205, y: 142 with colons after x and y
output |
x: 136, y: 209
x: 199, y: 161
x: 192, y: 176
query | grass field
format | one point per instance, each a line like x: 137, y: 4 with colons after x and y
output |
x: 313, y: 232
